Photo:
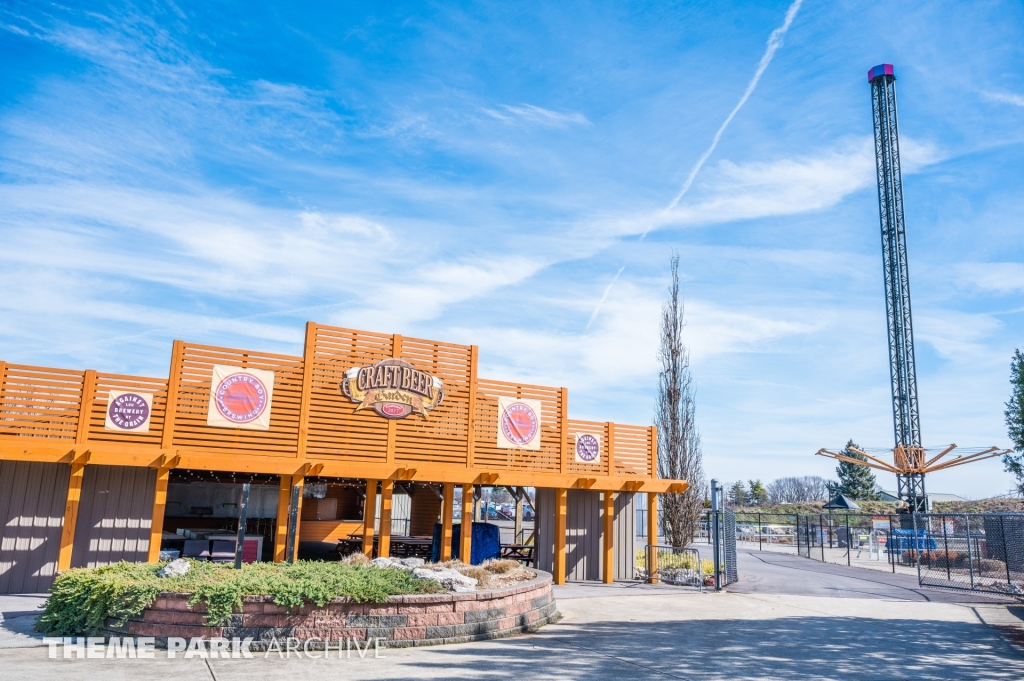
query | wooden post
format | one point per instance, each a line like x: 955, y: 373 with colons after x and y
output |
x: 609, y: 537
x: 474, y: 352
x: 300, y: 482
x: 447, y: 511
x: 156, y: 528
x: 174, y: 378
x: 396, y: 352
x: 652, y: 536
x: 85, y: 406
x: 610, y: 448
x: 281, y: 533
x: 384, y: 542
x: 653, y: 449
x: 563, y: 430
x: 466, y: 530
x: 561, y: 496
x: 67, y: 535
x: 307, y: 389
x: 369, y: 515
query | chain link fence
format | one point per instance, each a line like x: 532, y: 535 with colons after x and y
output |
x: 976, y: 551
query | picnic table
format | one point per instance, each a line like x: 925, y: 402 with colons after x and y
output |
x: 524, y: 553
x: 401, y: 547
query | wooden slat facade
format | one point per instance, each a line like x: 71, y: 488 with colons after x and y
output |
x: 314, y: 426
x: 53, y: 421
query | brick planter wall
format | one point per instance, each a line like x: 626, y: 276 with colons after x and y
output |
x: 401, y: 621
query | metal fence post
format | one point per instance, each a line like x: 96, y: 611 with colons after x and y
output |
x: 889, y: 547
x: 945, y: 542
x: 240, y: 537
x: 714, y: 527
x: 849, y: 540
x: 760, y: 530
x: 821, y: 524
x: 917, y: 544
x: 970, y: 556
x: 293, y: 519
x: 1006, y: 550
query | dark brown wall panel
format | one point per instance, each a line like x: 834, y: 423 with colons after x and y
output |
x: 114, y: 516
x: 32, y: 497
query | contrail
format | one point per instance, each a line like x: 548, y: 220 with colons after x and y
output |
x: 597, y: 309
x: 774, y: 43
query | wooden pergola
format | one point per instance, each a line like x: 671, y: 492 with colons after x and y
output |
x: 58, y: 416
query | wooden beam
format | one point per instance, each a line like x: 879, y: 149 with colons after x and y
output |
x: 447, y: 511
x: 369, y: 516
x: 466, y: 530
x: 307, y: 389
x: 609, y: 538
x: 156, y: 528
x: 941, y: 454
x: 881, y: 465
x: 67, y: 535
x: 561, y: 496
x: 474, y: 353
x: 85, y: 407
x: 284, y: 494
x: 384, y: 541
x: 245, y: 461
x: 652, y: 536
x: 167, y: 436
x: 563, y: 430
x: 868, y: 456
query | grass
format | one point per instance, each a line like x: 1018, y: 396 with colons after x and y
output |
x: 81, y: 600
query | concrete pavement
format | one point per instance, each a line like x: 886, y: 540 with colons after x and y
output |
x: 788, y: 618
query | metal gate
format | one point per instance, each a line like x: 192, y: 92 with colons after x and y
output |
x: 723, y: 528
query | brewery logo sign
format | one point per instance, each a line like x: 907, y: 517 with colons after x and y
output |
x: 588, y: 448
x: 518, y: 423
x: 240, y: 398
x: 128, y: 411
x: 393, y: 388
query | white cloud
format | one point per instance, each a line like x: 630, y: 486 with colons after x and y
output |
x: 1002, y: 277
x: 1006, y: 98
x: 789, y: 186
x: 535, y: 115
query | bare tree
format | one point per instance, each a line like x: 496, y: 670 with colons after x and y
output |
x: 679, y: 449
x: 794, y: 490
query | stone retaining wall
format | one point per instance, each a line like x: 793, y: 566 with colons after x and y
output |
x: 401, y: 621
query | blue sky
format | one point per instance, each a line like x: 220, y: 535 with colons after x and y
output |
x: 480, y: 172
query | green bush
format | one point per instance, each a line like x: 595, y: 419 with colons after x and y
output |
x: 81, y: 600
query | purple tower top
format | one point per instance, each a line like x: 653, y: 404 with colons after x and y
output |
x: 881, y: 70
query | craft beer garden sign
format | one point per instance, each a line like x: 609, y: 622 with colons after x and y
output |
x: 393, y: 388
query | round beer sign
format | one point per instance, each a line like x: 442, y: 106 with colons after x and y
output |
x: 128, y: 411
x: 587, y: 448
x: 519, y: 424
x: 240, y: 397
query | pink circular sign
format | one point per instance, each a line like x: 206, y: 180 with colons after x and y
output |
x: 519, y: 423
x: 241, y: 398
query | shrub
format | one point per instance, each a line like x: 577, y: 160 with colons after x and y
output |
x: 81, y: 600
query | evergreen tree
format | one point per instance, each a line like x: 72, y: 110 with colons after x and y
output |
x: 855, y: 481
x: 758, y: 494
x: 738, y: 494
x: 1015, y: 420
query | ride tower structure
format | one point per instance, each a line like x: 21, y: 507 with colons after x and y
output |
x: 910, y: 460
x: 902, y: 364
